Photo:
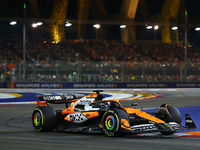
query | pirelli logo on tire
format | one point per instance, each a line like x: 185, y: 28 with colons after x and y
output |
x: 110, y: 122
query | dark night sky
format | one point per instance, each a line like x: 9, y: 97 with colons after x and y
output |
x: 192, y: 6
x: 45, y: 6
x: 15, y: 9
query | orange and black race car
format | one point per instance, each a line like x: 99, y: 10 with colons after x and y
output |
x: 93, y: 114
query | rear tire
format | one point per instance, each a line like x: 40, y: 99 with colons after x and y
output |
x: 44, y: 119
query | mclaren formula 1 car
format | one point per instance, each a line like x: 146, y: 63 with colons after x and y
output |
x: 93, y: 114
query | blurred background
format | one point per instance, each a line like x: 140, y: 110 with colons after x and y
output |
x: 99, y: 40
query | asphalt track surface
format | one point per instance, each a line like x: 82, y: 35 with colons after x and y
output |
x: 17, y: 133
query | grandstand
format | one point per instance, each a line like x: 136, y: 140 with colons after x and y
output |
x: 98, y: 61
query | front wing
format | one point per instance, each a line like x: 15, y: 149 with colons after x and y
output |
x: 170, y: 127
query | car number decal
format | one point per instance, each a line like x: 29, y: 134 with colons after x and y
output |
x: 77, y: 117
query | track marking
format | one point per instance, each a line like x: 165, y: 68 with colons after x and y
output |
x: 9, y: 95
x: 191, y: 133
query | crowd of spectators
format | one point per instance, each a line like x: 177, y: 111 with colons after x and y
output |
x: 110, y: 53
x: 99, y: 50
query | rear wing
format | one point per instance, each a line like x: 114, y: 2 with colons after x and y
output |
x: 57, y: 99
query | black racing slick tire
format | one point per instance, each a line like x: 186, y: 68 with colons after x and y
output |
x: 174, y: 116
x: 44, y: 119
x: 111, y: 122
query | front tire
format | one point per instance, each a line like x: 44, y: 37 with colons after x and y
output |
x: 173, y: 115
x: 111, y: 122
x: 44, y: 119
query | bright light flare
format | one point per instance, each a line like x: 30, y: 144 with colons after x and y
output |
x: 96, y: 26
x: 156, y: 27
x: 13, y: 23
x: 68, y: 24
x: 149, y: 27
x: 174, y: 28
x: 39, y: 23
x: 123, y: 26
x: 34, y: 25
x: 197, y: 29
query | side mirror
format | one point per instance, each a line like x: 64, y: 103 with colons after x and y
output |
x: 134, y: 104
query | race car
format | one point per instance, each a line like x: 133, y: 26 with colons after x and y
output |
x: 94, y: 114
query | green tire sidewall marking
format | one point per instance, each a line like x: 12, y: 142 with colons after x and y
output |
x: 36, y: 122
x: 41, y: 119
x: 109, y: 124
x: 117, y: 121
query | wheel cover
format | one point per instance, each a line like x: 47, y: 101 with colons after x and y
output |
x: 110, y: 122
x: 36, y: 119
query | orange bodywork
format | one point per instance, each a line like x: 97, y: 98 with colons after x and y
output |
x: 66, y: 118
x: 165, y: 108
x: 68, y: 110
x: 125, y: 124
x: 91, y: 96
x: 42, y: 103
x: 143, y: 115
x: 90, y: 114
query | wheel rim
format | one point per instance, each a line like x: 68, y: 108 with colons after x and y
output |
x: 110, y: 123
x: 36, y: 119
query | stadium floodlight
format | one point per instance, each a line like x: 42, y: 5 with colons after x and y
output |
x: 156, y: 27
x: 174, y: 28
x: 39, y: 23
x: 34, y: 25
x: 96, y: 26
x: 197, y: 29
x: 123, y: 26
x: 149, y: 27
x: 68, y: 24
x: 13, y: 23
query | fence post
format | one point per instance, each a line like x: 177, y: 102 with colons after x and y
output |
x: 101, y: 72
x: 143, y: 71
x: 185, y: 72
x: 123, y: 71
x: 164, y: 72
x: 5, y: 70
x: 57, y: 70
x: 11, y: 71
x: 181, y: 72
x: 20, y: 73
x: 34, y: 77
x: 79, y: 71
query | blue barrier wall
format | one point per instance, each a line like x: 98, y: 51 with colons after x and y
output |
x: 105, y: 85
x: 3, y: 85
